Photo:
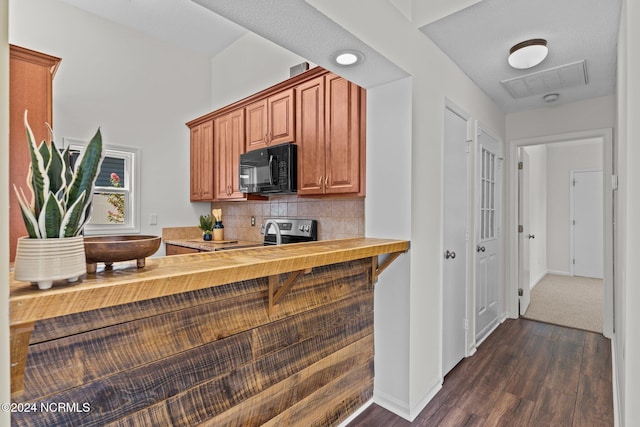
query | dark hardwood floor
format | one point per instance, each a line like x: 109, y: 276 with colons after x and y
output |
x: 526, y: 373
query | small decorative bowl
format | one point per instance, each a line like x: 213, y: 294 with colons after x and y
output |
x: 110, y: 249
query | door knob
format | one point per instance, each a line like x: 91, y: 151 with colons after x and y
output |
x: 532, y: 236
x: 450, y: 254
x: 480, y: 248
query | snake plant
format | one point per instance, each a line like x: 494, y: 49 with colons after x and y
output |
x: 60, y: 204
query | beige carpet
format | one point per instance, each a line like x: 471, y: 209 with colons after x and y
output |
x: 567, y: 301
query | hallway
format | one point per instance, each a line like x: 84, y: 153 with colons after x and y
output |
x: 572, y: 301
x: 526, y: 373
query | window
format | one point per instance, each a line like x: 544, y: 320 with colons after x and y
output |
x: 116, y: 204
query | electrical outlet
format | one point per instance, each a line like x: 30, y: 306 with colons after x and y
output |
x: 153, y: 220
x: 253, y: 221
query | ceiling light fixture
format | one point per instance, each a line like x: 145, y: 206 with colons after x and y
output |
x: 528, y: 53
x: 348, y: 58
x: 551, y: 97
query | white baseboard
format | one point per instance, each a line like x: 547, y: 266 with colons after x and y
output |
x: 356, y: 413
x: 559, y: 273
x: 489, y: 330
x: 615, y: 384
x: 538, y: 279
x: 401, y: 408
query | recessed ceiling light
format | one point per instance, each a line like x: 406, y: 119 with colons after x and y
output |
x: 528, y: 53
x: 551, y: 97
x: 348, y: 57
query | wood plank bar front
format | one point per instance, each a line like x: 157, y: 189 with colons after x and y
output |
x: 212, y: 356
x: 172, y: 276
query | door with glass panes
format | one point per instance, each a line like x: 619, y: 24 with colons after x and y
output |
x: 487, y: 250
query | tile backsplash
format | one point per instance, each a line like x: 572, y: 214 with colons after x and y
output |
x: 337, y: 218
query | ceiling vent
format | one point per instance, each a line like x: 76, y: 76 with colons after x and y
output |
x: 545, y: 81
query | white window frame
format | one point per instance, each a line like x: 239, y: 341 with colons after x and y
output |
x: 131, y: 188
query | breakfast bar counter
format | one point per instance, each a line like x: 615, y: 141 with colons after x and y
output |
x: 184, y: 273
x: 256, y: 335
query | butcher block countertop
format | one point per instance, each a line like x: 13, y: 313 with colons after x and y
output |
x: 212, y: 245
x: 183, y: 273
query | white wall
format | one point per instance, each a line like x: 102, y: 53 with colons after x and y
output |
x: 5, y: 389
x: 249, y: 65
x: 620, y: 218
x: 388, y: 193
x: 627, y: 269
x: 434, y: 77
x: 537, y: 212
x: 562, y: 158
x: 595, y: 113
x: 138, y: 90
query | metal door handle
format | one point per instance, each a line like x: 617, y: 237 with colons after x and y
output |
x: 532, y: 236
x: 480, y: 248
x: 450, y: 254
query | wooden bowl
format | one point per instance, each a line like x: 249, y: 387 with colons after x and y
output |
x: 110, y: 249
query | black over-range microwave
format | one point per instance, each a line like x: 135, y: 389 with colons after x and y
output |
x: 271, y: 170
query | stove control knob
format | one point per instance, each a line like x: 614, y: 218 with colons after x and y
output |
x: 301, y: 227
x: 306, y: 228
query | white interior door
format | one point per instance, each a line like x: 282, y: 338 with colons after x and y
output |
x: 454, y: 240
x: 487, y: 286
x: 524, y: 270
x: 587, y: 224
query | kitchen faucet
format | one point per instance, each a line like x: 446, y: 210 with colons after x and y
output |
x: 277, y: 227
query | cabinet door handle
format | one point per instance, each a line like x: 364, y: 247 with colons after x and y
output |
x: 326, y: 181
x: 320, y: 181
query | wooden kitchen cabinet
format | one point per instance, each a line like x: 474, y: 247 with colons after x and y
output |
x: 228, y: 144
x: 31, y: 88
x: 310, y: 136
x: 202, y: 184
x: 321, y: 112
x: 270, y: 120
x: 330, y: 136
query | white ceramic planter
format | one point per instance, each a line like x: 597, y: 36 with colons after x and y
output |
x: 44, y: 261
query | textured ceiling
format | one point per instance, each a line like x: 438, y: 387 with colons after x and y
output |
x: 179, y: 22
x: 302, y: 29
x: 479, y: 37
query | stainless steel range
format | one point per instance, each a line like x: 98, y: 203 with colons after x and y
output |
x: 289, y: 230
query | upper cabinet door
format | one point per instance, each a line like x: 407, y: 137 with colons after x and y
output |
x: 271, y: 121
x: 310, y: 136
x: 343, y: 143
x: 202, y: 162
x: 256, y: 126
x: 229, y: 139
x: 330, y: 137
x: 281, y: 117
